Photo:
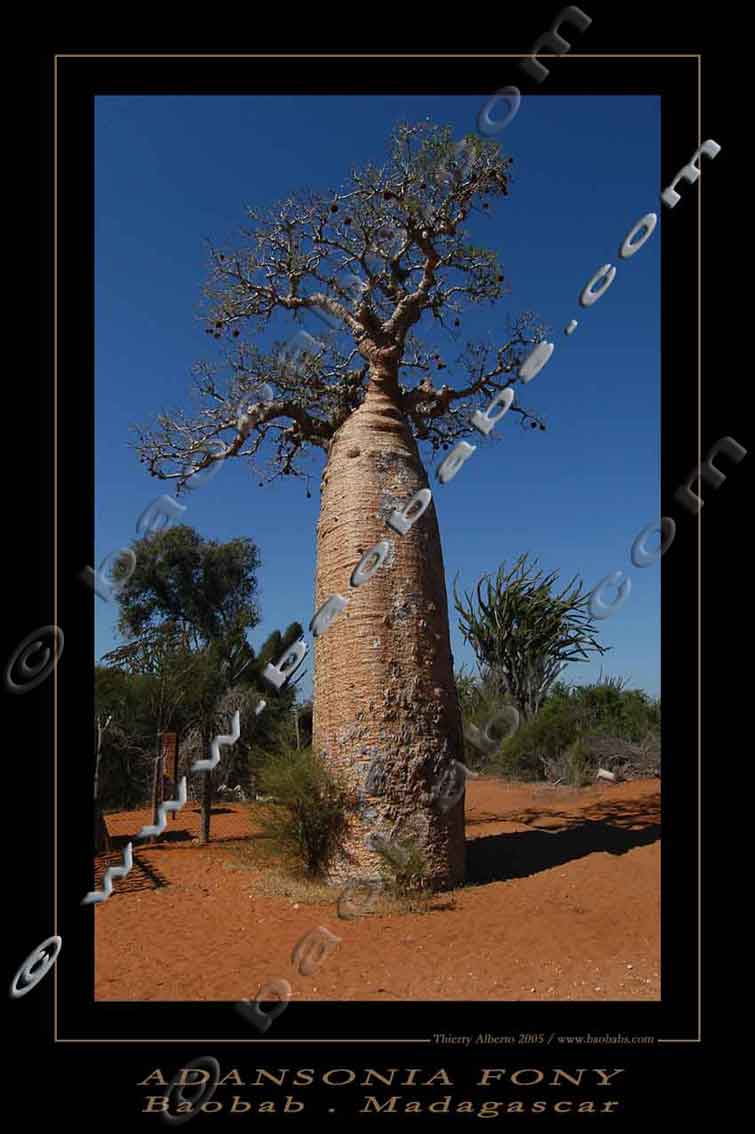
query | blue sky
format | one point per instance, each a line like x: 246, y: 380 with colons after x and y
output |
x: 174, y: 171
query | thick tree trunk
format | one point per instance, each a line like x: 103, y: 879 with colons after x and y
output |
x: 384, y: 683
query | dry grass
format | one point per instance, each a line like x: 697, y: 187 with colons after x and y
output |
x: 275, y: 873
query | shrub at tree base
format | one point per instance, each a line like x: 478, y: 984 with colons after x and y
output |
x: 310, y: 814
x: 583, y: 728
x: 406, y: 875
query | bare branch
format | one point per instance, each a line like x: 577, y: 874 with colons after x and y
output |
x: 371, y: 261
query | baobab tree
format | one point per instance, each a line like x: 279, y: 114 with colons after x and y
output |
x: 388, y: 251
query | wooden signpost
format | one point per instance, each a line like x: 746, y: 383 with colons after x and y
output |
x: 169, y: 754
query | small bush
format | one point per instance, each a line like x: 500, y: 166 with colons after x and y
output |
x: 481, y: 699
x: 311, y: 809
x: 578, y: 764
x: 563, y: 741
x: 579, y: 769
x: 406, y: 874
x: 608, y: 708
x: 545, y: 737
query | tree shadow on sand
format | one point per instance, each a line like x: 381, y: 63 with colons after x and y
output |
x: 610, y: 827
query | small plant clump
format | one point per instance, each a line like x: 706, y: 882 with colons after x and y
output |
x: 406, y: 875
x: 310, y: 813
x: 582, y: 728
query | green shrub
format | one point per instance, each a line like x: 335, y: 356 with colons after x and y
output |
x: 578, y: 766
x: 311, y: 807
x: 544, y: 737
x: 607, y: 707
x: 406, y: 874
x: 572, y: 714
x: 480, y: 700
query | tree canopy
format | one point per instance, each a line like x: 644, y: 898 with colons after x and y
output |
x: 194, y: 590
x: 388, y: 250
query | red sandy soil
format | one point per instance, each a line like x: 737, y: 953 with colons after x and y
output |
x: 562, y: 902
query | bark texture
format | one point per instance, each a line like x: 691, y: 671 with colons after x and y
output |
x: 384, y: 684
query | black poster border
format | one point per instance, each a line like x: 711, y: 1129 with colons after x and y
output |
x: 67, y: 82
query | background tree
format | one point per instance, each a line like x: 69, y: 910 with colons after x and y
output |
x: 201, y: 590
x: 174, y: 686
x: 185, y: 611
x: 261, y: 735
x: 127, y: 744
x: 387, y: 252
x: 522, y: 632
x: 101, y: 836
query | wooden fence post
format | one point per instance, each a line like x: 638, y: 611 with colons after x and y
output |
x: 157, y: 782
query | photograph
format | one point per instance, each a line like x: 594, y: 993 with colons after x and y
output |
x: 356, y: 652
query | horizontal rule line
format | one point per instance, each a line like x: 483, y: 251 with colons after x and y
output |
x: 422, y: 55
x: 209, y: 1039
